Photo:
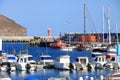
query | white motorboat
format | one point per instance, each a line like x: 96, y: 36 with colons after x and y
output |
x: 62, y: 62
x: 112, y: 61
x: 69, y: 48
x: 8, y: 62
x: 46, y: 59
x: 99, y: 49
x: 112, y: 49
x: 25, y: 61
x: 99, y: 61
x: 81, y: 63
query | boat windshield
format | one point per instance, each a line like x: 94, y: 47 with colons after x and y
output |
x: 11, y: 58
x: 45, y: 58
x: 30, y: 58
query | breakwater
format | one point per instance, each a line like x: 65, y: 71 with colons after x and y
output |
x: 16, y: 38
x: 42, y: 40
x: 31, y: 40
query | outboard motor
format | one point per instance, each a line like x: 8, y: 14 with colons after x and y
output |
x: 28, y: 66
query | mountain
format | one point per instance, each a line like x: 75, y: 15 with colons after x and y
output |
x: 9, y: 27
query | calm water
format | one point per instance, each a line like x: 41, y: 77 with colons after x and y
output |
x: 47, y: 73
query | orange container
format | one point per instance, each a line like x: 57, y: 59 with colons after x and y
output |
x: 91, y: 38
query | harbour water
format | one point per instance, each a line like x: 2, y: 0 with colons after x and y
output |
x: 47, y: 73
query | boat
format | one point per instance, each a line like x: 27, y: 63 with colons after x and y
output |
x: 69, y: 48
x: 8, y: 62
x: 81, y: 63
x: 46, y: 61
x: 113, y: 76
x: 62, y: 62
x: 25, y: 61
x: 99, y: 62
x: 98, y: 59
x: 112, y: 49
x: 112, y: 61
x: 58, y: 44
x: 100, y: 48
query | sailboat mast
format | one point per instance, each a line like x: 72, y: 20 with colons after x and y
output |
x: 117, y: 33
x: 84, y: 21
x: 103, y: 23
x: 109, y: 25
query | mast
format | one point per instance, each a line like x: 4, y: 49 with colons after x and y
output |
x: 117, y: 33
x: 103, y: 23
x: 109, y: 25
x: 84, y: 22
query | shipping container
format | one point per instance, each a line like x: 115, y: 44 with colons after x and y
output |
x: 91, y: 38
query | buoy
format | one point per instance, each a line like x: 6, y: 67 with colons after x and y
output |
x: 30, y: 78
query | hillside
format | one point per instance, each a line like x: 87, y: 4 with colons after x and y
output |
x: 8, y: 27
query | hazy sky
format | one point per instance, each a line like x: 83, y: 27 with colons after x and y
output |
x: 60, y: 15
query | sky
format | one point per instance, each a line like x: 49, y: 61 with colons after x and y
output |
x: 61, y: 15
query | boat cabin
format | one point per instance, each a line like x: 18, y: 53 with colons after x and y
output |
x: 45, y: 59
x: 110, y: 57
x: 82, y: 60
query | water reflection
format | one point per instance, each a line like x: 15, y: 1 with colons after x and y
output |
x: 64, y: 73
x: 4, y: 76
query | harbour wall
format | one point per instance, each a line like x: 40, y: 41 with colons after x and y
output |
x: 42, y: 41
x: 16, y: 38
x: 28, y: 38
x: 31, y: 40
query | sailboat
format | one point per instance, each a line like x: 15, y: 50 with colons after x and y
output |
x: 62, y: 62
x: 46, y: 60
x: 111, y: 48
